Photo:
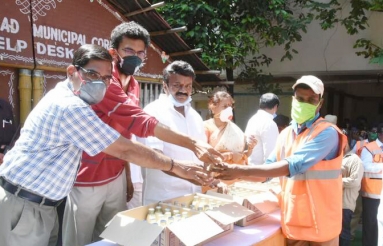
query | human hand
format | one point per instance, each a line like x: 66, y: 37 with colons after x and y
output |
x: 232, y: 157
x: 229, y: 172
x: 1, y: 158
x: 251, y: 142
x: 227, y: 156
x: 206, y: 153
x: 222, y: 188
x: 191, y: 171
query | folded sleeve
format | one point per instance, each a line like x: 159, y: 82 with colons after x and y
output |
x: 117, y: 106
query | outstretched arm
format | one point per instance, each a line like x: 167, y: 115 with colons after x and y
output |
x: 202, y: 150
x: 249, y: 173
x: 146, y: 157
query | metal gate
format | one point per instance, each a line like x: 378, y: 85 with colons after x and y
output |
x: 150, y: 91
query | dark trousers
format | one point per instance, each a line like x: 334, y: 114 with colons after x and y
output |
x: 345, y: 234
x: 370, y: 222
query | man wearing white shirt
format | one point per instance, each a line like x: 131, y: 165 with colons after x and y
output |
x: 137, y: 181
x: 263, y: 128
x: 173, y: 109
x: 372, y: 158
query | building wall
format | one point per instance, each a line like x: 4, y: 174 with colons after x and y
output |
x: 327, y: 51
x: 324, y: 53
x: 247, y: 103
x: 60, y: 27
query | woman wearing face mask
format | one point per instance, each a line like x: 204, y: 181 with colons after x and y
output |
x: 224, y: 135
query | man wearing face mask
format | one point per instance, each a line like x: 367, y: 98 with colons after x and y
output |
x: 308, y: 155
x: 263, y: 128
x: 101, y: 185
x: 39, y: 171
x: 372, y: 158
x: 357, y: 149
x: 174, y: 110
x: 372, y: 135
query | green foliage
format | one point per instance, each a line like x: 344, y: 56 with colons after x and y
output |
x: 261, y: 82
x: 354, y: 21
x: 369, y: 50
x: 377, y: 5
x: 231, y: 31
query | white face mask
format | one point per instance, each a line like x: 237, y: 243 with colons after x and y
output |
x: 226, y: 115
x: 178, y: 104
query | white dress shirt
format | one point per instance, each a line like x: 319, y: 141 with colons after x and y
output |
x: 159, y: 186
x: 265, y: 130
x: 135, y: 170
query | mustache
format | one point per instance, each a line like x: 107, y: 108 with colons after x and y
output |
x: 181, y: 94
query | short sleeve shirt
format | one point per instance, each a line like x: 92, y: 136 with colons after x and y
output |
x: 46, y: 157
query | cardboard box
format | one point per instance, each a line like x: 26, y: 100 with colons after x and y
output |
x: 225, y: 215
x: 273, y: 184
x: 131, y: 228
x: 261, y: 202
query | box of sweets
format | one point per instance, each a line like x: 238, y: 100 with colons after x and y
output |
x: 161, y: 225
x: 223, y: 211
x: 258, y: 197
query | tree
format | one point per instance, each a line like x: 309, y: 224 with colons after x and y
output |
x: 229, y: 31
x: 354, y: 22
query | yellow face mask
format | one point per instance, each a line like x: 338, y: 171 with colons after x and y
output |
x: 302, y: 112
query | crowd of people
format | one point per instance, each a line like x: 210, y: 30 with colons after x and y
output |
x: 75, y: 152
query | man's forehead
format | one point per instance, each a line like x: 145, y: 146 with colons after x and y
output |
x: 178, y: 78
x: 305, y: 93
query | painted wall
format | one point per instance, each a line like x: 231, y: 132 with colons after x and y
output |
x: 321, y: 53
x: 58, y: 29
x: 327, y: 51
x: 247, y: 104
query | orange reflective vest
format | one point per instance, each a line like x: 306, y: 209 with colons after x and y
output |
x: 359, y: 146
x: 372, y: 182
x: 311, y: 203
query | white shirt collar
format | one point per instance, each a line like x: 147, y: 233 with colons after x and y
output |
x: 267, y: 114
x: 378, y: 142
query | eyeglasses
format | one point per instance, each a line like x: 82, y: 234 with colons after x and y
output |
x: 178, y: 86
x: 92, y: 75
x: 130, y: 52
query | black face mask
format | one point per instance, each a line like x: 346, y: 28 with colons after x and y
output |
x: 130, y: 64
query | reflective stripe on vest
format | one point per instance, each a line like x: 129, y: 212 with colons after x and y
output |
x: 372, y: 182
x: 318, y: 174
x: 372, y: 175
x: 306, y: 213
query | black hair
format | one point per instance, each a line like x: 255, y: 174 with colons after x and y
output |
x: 178, y: 67
x: 268, y: 101
x: 88, y: 52
x: 305, y: 87
x: 282, y: 120
x: 130, y: 30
